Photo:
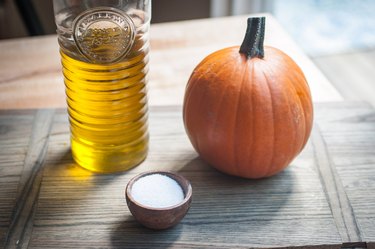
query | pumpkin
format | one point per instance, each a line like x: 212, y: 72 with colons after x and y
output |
x: 248, y: 110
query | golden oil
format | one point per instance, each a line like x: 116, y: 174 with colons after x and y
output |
x: 107, y: 105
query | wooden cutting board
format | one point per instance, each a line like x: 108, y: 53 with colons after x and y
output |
x: 324, y: 199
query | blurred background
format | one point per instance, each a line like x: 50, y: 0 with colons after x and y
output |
x: 339, y: 35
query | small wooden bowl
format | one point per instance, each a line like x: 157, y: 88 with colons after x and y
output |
x: 159, y: 218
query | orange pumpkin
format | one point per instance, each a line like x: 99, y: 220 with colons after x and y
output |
x: 248, y: 110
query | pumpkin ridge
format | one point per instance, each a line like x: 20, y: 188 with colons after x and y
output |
x: 221, y: 100
x: 211, y: 57
x: 297, y: 141
x: 303, y: 141
x: 273, y: 125
x: 296, y: 136
x: 215, y: 106
x: 289, y: 114
x: 186, y: 109
x: 251, y: 145
x: 304, y: 88
x: 197, y: 71
x: 191, y: 87
x: 237, y: 165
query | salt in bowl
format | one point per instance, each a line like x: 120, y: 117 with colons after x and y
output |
x: 156, y: 210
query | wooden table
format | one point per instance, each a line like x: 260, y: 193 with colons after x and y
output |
x: 30, y: 70
x: 323, y: 200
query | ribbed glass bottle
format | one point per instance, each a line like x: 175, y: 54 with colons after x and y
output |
x: 107, y: 103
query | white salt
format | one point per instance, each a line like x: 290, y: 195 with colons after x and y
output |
x: 157, y: 190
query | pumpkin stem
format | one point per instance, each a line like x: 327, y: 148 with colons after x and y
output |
x: 252, y: 45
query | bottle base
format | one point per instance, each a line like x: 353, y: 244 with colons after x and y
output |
x: 109, y: 160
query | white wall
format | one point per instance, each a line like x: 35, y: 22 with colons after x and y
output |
x: 239, y: 7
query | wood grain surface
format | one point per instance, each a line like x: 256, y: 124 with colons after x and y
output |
x: 30, y: 70
x: 353, y: 156
x: 30, y: 178
x: 324, y: 199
